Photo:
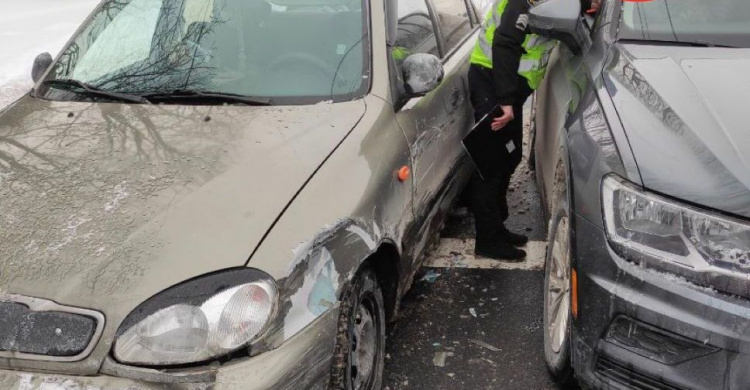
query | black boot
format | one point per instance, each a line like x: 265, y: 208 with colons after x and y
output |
x: 513, y: 238
x: 499, y: 250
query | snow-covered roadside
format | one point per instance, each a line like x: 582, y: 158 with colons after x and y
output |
x: 28, y: 28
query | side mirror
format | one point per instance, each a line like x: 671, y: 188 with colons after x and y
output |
x: 42, y: 62
x: 422, y: 73
x: 558, y: 19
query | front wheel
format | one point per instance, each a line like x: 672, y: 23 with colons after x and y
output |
x: 359, y: 356
x: 557, y: 315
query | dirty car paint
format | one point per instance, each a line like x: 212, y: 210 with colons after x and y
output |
x: 105, y: 205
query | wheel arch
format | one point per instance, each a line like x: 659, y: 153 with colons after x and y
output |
x: 386, y: 262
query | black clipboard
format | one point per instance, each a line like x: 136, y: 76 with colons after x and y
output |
x: 480, y: 145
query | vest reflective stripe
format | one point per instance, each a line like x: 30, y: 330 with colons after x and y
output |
x: 482, y: 54
x: 533, y: 64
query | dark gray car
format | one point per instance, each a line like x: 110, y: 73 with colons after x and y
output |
x: 642, y: 148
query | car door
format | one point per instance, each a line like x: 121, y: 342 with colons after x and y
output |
x: 557, y: 98
x: 436, y: 123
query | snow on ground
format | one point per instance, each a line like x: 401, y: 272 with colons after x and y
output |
x: 31, y: 27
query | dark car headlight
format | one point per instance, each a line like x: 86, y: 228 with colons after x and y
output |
x: 670, y: 231
x: 198, y: 320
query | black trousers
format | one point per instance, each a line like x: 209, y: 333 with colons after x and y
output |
x: 489, y: 196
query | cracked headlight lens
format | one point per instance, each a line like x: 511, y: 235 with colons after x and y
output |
x: 670, y: 231
x: 199, y: 320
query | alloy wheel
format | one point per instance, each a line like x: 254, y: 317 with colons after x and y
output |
x: 558, y: 290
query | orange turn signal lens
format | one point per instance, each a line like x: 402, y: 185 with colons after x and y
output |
x: 404, y: 173
x: 574, y: 293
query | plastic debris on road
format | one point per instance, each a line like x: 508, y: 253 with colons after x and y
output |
x: 473, y: 312
x: 485, y: 345
x: 431, y: 276
x: 439, y: 359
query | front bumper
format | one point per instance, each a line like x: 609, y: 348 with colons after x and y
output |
x: 302, y: 362
x: 679, y: 335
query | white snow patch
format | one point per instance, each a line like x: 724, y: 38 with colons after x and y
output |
x: 31, y: 27
x: 121, y: 193
x: 70, y: 233
x: 32, y: 247
x: 24, y: 383
x: 459, y: 253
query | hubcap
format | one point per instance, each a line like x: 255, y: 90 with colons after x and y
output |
x: 364, y: 345
x: 558, y: 291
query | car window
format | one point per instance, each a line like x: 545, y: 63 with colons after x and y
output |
x: 453, y: 17
x: 132, y: 26
x: 284, y: 51
x: 416, y: 32
x: 717, y: 23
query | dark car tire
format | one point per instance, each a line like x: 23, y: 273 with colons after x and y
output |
x: 556, y: 353
x: 360, y: 347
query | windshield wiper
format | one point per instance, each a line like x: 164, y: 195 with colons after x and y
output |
x: 95, y: 91
x: 677, y: 43
x: 202, y: 96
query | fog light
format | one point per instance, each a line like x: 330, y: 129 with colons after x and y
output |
x: 654, y: 343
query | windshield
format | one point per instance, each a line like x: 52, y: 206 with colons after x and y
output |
x: 710, y: 22
x: 290, y: 51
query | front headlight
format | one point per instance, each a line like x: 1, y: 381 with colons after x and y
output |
x: 202, y: 319
x: 672, y: 232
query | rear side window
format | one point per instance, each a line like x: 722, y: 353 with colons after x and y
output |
x: 453, y: 17
x: 416, y: 33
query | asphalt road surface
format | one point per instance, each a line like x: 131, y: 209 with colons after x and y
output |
x: 471, y: 323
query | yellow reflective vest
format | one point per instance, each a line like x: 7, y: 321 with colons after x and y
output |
x: 533, y: 64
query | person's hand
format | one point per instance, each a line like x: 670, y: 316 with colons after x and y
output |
x: 502, y: 121
x: 596, y: 5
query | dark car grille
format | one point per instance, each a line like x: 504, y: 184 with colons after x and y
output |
x: 619, y: 373
x: 45, y: 333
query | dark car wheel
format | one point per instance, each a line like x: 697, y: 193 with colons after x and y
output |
x: 360, y: 342
x: 557, y: 317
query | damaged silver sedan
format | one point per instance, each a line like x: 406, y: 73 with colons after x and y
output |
x: 227, y: 194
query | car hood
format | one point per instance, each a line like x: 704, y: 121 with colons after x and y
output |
x: 107, y: 203
x: 685, y: 113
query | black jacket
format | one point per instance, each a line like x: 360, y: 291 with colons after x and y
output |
x: 507, y: 49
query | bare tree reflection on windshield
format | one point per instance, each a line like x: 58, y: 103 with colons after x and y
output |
x: 175, y: 61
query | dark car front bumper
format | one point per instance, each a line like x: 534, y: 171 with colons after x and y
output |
x: 643, y: 329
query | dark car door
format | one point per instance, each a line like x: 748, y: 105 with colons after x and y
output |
x: 557, y: 98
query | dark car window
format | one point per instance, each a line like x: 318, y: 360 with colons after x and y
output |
x: 244, y: 47
x: 416, y: 32
x: 715, y: 22
x: 453, y: 17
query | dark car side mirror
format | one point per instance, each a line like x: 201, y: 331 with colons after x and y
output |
x: 422, y: 73
x: 558, y: 19
x: 42, y: 62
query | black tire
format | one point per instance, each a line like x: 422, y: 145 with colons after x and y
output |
x: 558, y: 363
x: 365, y: 294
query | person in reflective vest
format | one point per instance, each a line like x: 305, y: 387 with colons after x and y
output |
x: 507, y: 65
